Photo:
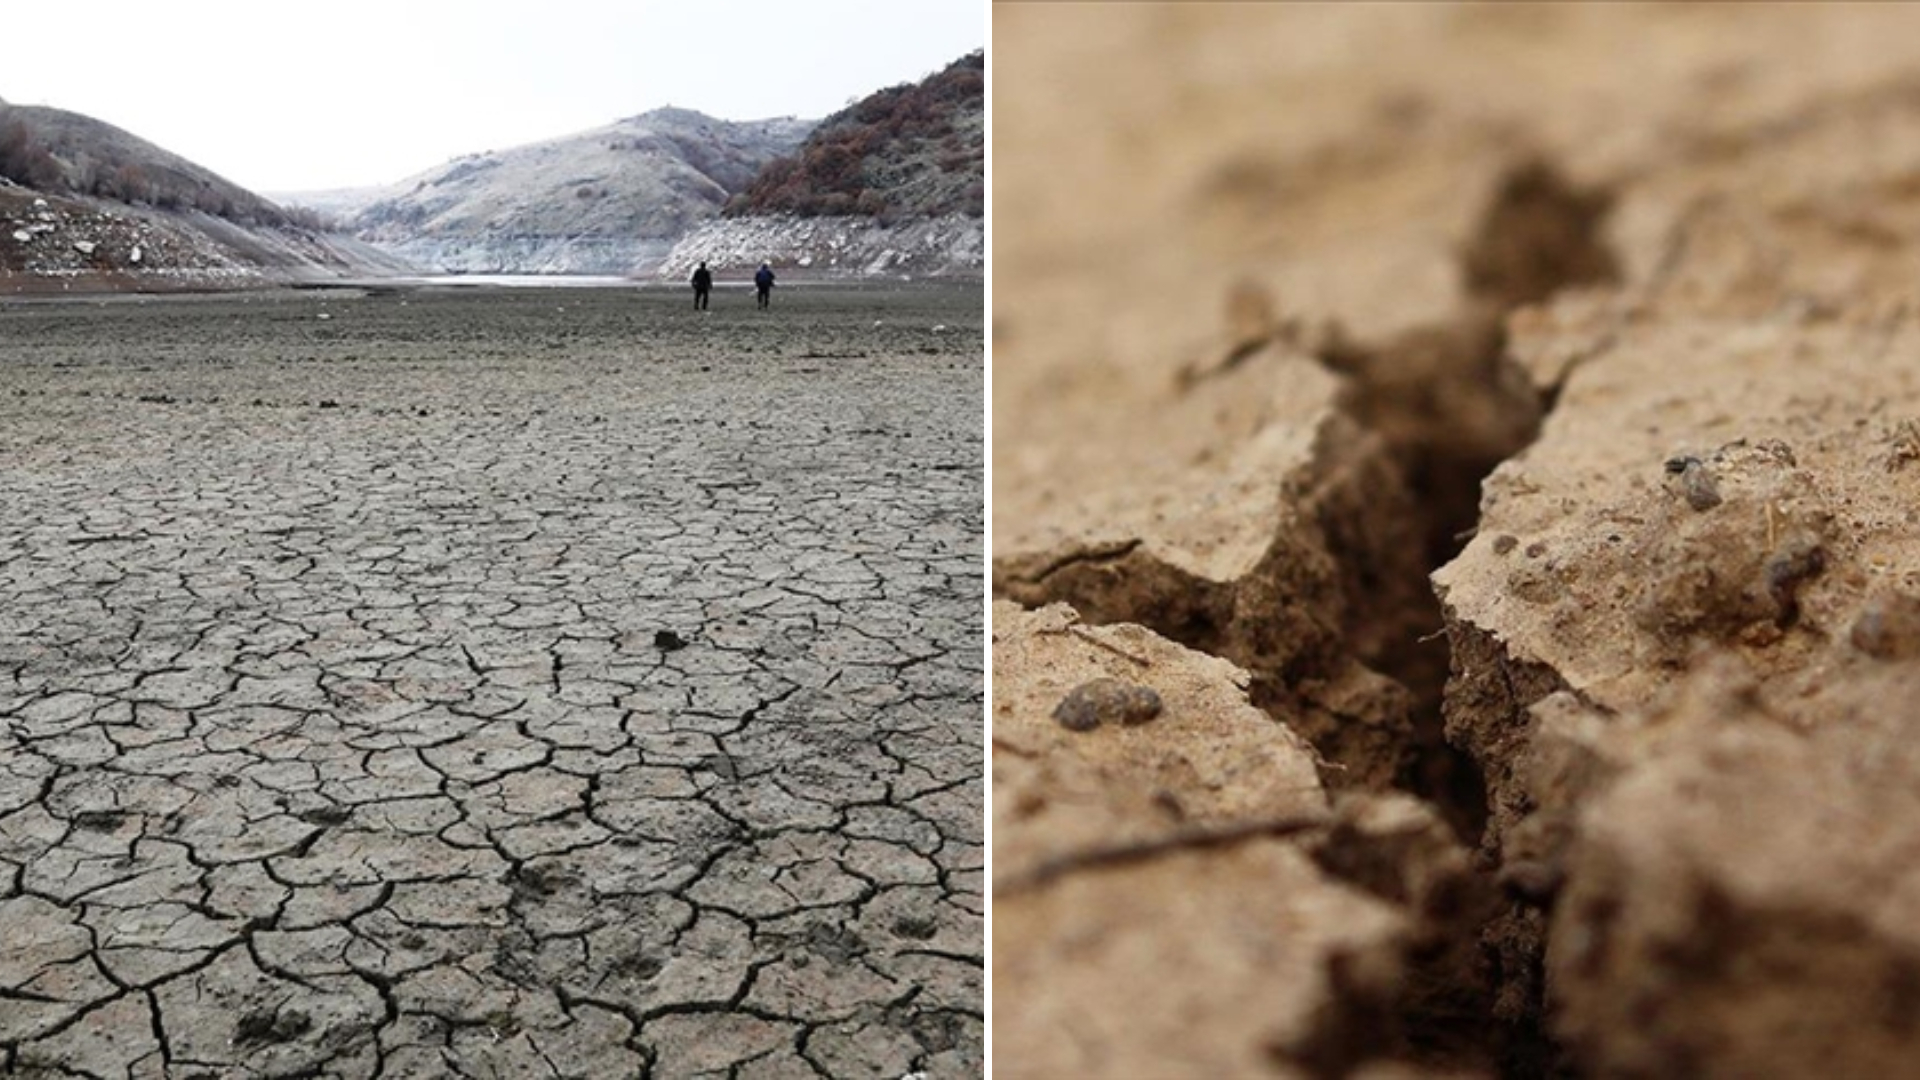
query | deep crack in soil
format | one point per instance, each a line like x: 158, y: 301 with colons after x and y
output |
x: 1444, y: 405
x: 1617, y: 790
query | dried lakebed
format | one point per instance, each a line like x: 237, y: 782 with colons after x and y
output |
x: 467, y: 682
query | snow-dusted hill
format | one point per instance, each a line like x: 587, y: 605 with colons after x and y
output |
x: 86, y: 205
x: 917, y: 150
x: 893, y: 184
x: 608, y: 201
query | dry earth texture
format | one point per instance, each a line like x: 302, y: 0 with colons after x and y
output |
x: 468, y: 683
x: 1481, y: 446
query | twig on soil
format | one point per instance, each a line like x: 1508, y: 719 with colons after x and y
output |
x: 1073, y: 627
x: 1086, y: 635
x: 1049, y: 870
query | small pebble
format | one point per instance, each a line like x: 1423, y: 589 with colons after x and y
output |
x: 1101, y: 701
x: 1702, y: 493
x: 1888, y: 627
x: 1696, y: 482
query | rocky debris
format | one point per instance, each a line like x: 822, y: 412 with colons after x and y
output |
x: 1293, y: 960
x: 56, y: 243
x: 68, y: 238
x: 952, y: 245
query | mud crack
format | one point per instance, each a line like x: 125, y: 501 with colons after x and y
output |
x: 543, y: 709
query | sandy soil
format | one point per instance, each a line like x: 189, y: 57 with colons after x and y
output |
x: 491, y: 683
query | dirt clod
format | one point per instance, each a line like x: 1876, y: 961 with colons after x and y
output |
x: 99, y: 820
x: 1106, y: 701
x: 271, y: 1025
x: 1696, y: 482
x: 1888, y: 626
x: 1096, y: 840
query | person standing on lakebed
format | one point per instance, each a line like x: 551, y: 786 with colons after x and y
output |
x: 763, y: 281
x: 702, y: 285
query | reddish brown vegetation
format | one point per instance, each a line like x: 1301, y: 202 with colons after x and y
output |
x: 873, y: 158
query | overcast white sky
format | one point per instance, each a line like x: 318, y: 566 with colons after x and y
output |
x: 283, y: 97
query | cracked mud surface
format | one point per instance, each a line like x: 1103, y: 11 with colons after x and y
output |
x: 1523, y: 399
x: 491, y: 684
x: 1303, y: 925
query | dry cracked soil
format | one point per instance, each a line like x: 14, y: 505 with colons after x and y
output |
x: 491, y: 683
x: 1455, y: 548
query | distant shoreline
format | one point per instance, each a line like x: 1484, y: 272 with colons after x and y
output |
x: 93, y: 286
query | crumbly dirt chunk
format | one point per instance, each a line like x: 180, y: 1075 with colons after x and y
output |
x: 1235, y: 516
x: 1194, y: 510
x: 1618, y: 578
x: 1305, y: 922
x: 1665, y: 839
x: 1211, y: 761
x: 1735, y: 901
x: 1665, y: 672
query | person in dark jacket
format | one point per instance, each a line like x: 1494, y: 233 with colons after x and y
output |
x: 702, y: 285
x: 763, y: 281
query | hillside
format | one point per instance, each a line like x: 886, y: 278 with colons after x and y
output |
x: 64, y: 153
x: 85, y: 204
x: 894, y: 184
x: 911, y: 151
x: 610, y: 200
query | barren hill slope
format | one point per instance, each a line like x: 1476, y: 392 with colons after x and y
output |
x: 610, y: 200
x: 60, y: 152
x: 85, y: 204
